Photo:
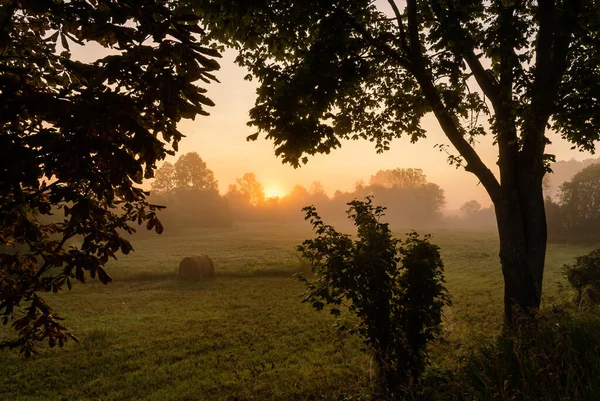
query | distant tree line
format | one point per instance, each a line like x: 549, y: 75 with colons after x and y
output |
x: 572, y: 206
x: 472, y: 215
x: 190, y: 193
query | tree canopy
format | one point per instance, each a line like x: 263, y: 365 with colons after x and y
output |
x: 189, y: 172
x: 336, y: 69
x: 248, y: 189
x: 470, y: 208
x: 164, y: 179
x: 77, y: 138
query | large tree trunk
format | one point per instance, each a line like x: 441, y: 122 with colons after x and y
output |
x: 522, y: 228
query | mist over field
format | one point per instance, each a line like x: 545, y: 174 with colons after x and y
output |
x: 411, y: 200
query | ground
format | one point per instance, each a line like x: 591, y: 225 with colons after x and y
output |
x: 245, y: 334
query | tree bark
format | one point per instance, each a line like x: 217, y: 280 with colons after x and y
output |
x: 521, y: 222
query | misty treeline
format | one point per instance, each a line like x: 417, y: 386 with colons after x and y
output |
x: 571, y: 198
x: 189, y: 191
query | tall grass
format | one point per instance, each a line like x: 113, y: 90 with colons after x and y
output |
x: 555, y: 358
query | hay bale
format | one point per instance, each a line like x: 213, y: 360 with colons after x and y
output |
x: 196, y: 268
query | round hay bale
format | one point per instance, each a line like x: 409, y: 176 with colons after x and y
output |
x: 208, y: 266
x: 196, y: 268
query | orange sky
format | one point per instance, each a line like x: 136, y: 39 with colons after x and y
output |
x: 220, y: 139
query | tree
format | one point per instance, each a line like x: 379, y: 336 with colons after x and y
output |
x: 399, y: 177
x: 317, y: 189
x: 584, y: 276
x: 563, y: 171
x: 339, y: 69
x: 580, y: 203
x: 298, y: 195
x: 248, y: 189
x: 411, y: 199
x: 470, y: 208
x: 410, y: 182
x: 191, y: 172
x: 394, y: 288
x: 317, y: 193
x: 164, y: 179
x: 77, y: 138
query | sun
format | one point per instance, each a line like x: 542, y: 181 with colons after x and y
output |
x: 272, y: 193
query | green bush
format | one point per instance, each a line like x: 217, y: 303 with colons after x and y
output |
x: 584, y: 277
x: 394, y: 288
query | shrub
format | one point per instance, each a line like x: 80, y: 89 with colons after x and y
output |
x: 394, y: 288
x: 584, y: 277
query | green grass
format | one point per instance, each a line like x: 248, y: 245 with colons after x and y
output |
x: 245, y: 334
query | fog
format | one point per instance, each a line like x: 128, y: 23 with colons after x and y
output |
x: 412, y: 200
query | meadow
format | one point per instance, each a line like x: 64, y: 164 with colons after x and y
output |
x: 244, y: 334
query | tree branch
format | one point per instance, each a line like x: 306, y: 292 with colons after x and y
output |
x: 447, y: 120
x: 552, y: 48
x: 466, y: 48
x: 403, y: 41
x: 505, y: 124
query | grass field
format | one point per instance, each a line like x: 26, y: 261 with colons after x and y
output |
x: 244, y: 334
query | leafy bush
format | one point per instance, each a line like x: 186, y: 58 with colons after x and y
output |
x: 584, y: 277
x: 394, y: 288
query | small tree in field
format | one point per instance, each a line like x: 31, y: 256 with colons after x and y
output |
x: 395, y: 288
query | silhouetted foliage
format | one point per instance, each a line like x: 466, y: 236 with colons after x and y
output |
x: 77, y: 138
x: 555, y: 358
x: 330, y: 70
x: 395, y: 289
x: 584, y: 276
x: 580, y: 202
x: 555, y: 220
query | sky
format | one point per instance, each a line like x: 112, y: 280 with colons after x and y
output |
x: 220, y: 139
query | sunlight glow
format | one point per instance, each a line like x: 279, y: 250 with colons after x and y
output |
x: 272, y: 193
